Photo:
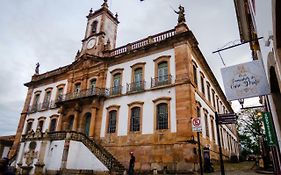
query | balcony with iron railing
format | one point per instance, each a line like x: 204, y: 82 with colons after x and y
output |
x: 46, y: 105
x: 135, y: 87
x: 116, y: 90
x: 161, y: 81
x: 82, y: 94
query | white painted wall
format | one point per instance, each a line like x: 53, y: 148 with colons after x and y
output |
x: 53, y: 155
x: 146, y: 97
x: 148, y: 110
x: 109, y: 30
x: 79, y: 157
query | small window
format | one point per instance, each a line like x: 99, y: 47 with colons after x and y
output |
x: 41, y: 125
x: 94, y: 26
x: 195, y: 74
x: 162, y: 116
x: 198, y: 111
x: 206, y: 125
x: 135, y: 119
x: 36, y: 100
x: 202, y: 85
x: 28, y: 127
x: 112, y: 121
x: 208, y: 91
x: 53, y: 125
x: 116, y: 89
x: 93, y: 84
x: 213, y: 97
x: 213, y: 130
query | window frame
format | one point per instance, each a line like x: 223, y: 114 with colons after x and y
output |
x: 130, y: 107
x: 53, y: 117
x: 195, y: 73
x: 206, y: 118
x: 156, y: 102
x: 41, y: 119
x: 157, y: 61
x: 60, y: 86
x: 202, y: 81
x: 27, y: 124
x: 109, y: 109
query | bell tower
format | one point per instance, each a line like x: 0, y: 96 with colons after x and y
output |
x: 100, y: 32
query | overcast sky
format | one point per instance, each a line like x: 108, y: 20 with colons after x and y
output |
x: 50, y: 32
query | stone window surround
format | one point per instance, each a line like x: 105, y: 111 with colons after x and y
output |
x: 49, y: 89
x: 60, y: 86
x: 36, y: 93
x: 206, y: 118
x: 157, y: 101
x: 195, y: 75
x: 42, y: 118
x: 202, y: 81
x: 113, y: 73
x: 53, y: 117
x: 131, y: 106
x: 27, y: 122
x: 157, y: 61
x: 137, y: 66
x: 112, y: 108
x: 90, y: 79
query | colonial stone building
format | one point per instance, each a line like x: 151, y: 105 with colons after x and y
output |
x: 87, y: 116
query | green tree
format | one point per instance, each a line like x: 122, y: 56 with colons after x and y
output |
x: 250, y: 131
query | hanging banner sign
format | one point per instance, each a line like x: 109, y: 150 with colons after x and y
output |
x: 269, y: 132
x: 227, y: 118
x: 245, y: 80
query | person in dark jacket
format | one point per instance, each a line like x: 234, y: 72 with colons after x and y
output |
x: 4, y: 167
x: 132, y: 164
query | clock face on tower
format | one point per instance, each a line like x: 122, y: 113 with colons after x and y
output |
x: 91, y: 43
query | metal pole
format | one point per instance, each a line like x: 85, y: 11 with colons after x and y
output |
x: 219, y: 142
x: 200, y: 155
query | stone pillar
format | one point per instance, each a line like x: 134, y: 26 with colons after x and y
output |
x: 40, y: 163
x: 76, y: 121
x: 60, y: 120
x: 92, y: 124
x: 65, y: 154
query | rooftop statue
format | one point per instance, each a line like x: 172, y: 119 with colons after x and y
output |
x: 181, y: 14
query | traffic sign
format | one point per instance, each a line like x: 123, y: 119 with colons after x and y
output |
x: 196, y: 125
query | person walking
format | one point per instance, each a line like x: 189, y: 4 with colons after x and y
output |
x: 132, y: 164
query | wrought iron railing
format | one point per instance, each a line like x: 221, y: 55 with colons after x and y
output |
x: 161, y: 81
x: 136, y: 87
x: 116, y: 90
x: 141, y: 43
x: 83, y: 94
x: 42, y: 106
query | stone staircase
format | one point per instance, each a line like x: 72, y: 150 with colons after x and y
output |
x: 114, y: 166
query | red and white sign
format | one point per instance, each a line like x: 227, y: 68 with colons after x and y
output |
x: 196, y: 125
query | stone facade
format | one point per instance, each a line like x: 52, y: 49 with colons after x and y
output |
x: 94, y: 99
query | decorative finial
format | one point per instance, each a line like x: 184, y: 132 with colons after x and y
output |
x: 116, y: 15
x: 78, y: 53
x: 37, y: 69
x: 105, y: 4
x: 181, y: 18
x: 90, y: 11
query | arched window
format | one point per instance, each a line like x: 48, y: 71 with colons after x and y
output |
x: 112, y: 121
x: 116, y: 84
x: 162, y: 116
x: 87, y: 123
x: 28, y: 126
x: 53, y: 125
x: 41, y: 125
x: 135, y: 119
x: 70, y: 123
x: 94, y: 26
